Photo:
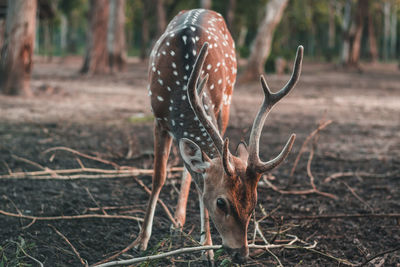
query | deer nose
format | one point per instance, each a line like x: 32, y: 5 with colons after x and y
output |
x: 239, y: 255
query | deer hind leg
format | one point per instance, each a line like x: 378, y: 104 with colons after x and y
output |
x: 224, y: 118
x: 162, y: 147
x: 180, y: 211
x: 205, y: 234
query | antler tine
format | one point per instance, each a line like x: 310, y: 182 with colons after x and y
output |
x: 229, y: 169
x: 270, y: 99
x: 193, y: 90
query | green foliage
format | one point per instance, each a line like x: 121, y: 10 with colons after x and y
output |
x: 304, y: 22
x: 12, y: 253
x: 226, y: 263
x: 140, y: 118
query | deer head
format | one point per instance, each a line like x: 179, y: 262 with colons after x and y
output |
x: 230, y: 181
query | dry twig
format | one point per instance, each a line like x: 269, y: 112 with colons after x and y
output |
x: 354, y: 193
x: 359, y: 174
x: 378, y: 255
x: 188, y: 250
x: 63, y: 174
x: 342, y: 216
x: 69, y: 243
x: 72, y: 217
x: 313, y: 189
x: 303, y: 146
x: 82, y: 155
x: 297, y: 192
x: 37, y: 165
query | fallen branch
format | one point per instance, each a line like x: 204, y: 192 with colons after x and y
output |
x: 187, y: 250
x: 62, y: 174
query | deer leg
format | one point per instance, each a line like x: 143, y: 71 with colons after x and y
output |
x: 224, y: 118
x: 180, y: 212
x: 205, y: 234
x: 162, y: 147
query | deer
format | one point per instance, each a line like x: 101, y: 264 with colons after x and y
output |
x: 192, y: 71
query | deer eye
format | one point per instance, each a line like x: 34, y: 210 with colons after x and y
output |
x: 221, y: 204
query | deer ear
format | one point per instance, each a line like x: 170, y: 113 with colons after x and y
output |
x: 193, y: 156
x: 241, y: 151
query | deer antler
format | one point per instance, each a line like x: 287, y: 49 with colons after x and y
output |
x: 270, y: 99
x: 194, y: 89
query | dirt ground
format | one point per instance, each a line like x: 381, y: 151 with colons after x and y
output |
x: 109, y: 117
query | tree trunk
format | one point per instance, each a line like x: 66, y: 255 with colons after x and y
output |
x: 393, y: 31
x: 373, y: 47
x: 332, y: 30
x: 63, y: 33
x: 386, y: 30
x: 17, y: 52
x: 362, y: 11
x: 2, y: 31
x: 161, y: 18
x: 96, y: 59
x: 116, y: 35
x: 230, y: 14
x: 346, y: 28
x: 261, y: 47
x: 242, y: 36
x: 205, y: 4
x: 47, y: 28
x: 145, y: 31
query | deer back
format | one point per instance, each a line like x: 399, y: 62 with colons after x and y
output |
x: 171, y: 63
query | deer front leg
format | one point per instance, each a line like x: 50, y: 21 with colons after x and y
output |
x: 180, y: 211
x: 205, y: 234
x: 162, y: 147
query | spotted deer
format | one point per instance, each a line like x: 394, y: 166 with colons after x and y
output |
x: 191, y: 77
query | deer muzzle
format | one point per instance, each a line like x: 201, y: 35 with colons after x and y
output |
x: 238, y: 255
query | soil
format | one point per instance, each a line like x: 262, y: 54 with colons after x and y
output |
x: 109, y: 117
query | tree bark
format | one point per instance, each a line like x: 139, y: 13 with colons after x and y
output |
x: 261, y: 47
x: 63, y: 33
x: 331, y: 21
x: 230, y: 14
x: 386, y: 30
x: 47, y: 47
x: 145, y: 30
x: 2, y: 31
x: 17, y: 52
x: 393, y: 31
x: 373, y: 47
x: 116, y: 35
x: 161, y: 17
x: 96, y: 59
x: 346, y: 29
x: 205, y: 4
x: 362, y: 11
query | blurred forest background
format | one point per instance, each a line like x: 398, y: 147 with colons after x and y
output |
x: 64, y: 151
x: 107, y: 31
